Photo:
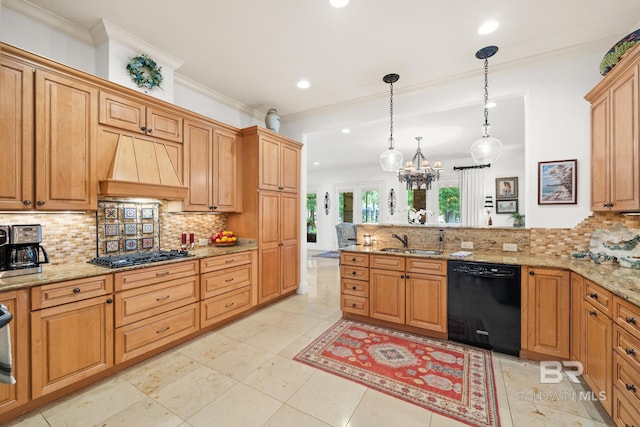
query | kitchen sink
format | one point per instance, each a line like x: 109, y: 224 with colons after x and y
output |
x: 412, y: 251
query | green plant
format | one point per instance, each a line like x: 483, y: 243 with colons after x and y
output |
x: 518, y: 219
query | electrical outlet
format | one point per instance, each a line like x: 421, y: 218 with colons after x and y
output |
x: 466, y: 245
x: 510, y: 247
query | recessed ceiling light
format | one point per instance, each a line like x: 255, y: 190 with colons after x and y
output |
x: 339, y: 3
x: 316, y: 163
x: 345, y: 130
x: 488, y: 27
x: 303, y: 84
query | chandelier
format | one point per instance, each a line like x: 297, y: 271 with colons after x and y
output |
x: 391, y: 159
x: 487, y: 149
x: 418, y: 173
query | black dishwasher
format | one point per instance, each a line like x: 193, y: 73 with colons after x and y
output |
x: 483, y: 305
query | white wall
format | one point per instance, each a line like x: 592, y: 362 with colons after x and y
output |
x: 556, y: 126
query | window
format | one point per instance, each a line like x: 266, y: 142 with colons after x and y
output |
x: 370, y: 207
x: 312, y: 217
x: 449, y: 205
x: 345, y: 207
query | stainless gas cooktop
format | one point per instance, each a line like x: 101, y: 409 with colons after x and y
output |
x: 138, y: 258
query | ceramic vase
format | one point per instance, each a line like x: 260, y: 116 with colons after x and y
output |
x: 272, y: 120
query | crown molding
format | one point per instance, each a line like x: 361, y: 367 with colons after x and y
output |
x: 49, y: 19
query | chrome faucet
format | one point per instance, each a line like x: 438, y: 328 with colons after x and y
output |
x: 404, y: 239
x: 441, y: 240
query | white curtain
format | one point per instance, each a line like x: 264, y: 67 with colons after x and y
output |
x: 471, y: 182
x: 433, y: 203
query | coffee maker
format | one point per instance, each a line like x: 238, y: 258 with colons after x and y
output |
x: 20, y: 252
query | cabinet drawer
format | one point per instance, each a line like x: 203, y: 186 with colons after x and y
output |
x: 626, y: 379
x: 354, y: 304
x: 624, y: 413
x: 354, y: 258
x: 225, y: 261
x: 150, y: 275
x: 143, y: 336
x: 627, y: 346
x: 226, y: 280
x: 627, y: 315
x: 352, y: 272
x: 226, y: 305
x: 358, y: 288
x: 598, y: 297
x: 426, y: 266
x: 140, y: 303
x: 74, y: 290
x: 387, y: 262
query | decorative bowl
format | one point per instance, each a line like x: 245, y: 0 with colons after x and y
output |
x: 222, y: 244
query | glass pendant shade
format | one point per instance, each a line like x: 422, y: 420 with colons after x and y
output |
x: 487, y: 149
x: 391, y: 159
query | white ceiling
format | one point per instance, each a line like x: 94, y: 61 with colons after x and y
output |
x: 254, y: 51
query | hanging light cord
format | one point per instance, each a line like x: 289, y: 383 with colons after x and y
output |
x: 486, y: 92
x: 391, y: 116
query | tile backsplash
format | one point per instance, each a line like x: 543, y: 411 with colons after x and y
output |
x: 71, y: 237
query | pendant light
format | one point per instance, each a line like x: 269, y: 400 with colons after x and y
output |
x: 487, y: 149
x: 391, y: 159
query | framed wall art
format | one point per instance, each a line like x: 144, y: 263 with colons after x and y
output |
x: 557, y: 182
x: 506, y: 206
x: 507, y: 188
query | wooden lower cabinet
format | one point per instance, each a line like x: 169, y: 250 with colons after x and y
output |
x: 597, y: 352
x: 387, y: 295
x: 217, y: 309
x: 575, y: 334
x: 624, y: 413
x: 545, y: 313
x: 70, y: 342
x: 15, y: 395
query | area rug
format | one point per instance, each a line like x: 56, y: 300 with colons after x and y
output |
x: 451, y: 379
x: 330, y: 254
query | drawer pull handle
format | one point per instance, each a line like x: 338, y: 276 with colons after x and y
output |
x: 163, y: 298
x: 354, y: 273
x: 353, y: 287
x: 164, y: 273
x: 594, y: 295
x: 165, y: 329
x: 229, y: 305
x: 353, y: 305
x: 229, y: 280
x: 353, y: 259
x: 228, y: 261
x: 630, y: 387
x: 593, y: 312
x: 76, y: 290
x: 630, y: 351
x: 630, y: 320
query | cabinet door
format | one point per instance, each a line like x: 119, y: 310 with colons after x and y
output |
x: 269, y: 274
x: 387, y: 295
x: 225, y: 191
x: 547, y: 312
x: 597, y: 360
x: 426, y: 302
x: 70, y: 342
x: 289, y: 254
x: 577, y: 292
x: 290, y: 168
x: 164, y: 124
x: 269, y: 217
x: 123, y: 113
x: 624, y: 144
x: 16, y: 135
x: 600, y: 181
x: 66, y: 128
x: 14, y: 395
x: 198, y: 166
x: 269, y: 164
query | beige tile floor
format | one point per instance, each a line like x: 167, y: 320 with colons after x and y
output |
x: 243, y: 375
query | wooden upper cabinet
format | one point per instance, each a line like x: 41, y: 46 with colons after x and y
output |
x: 279, y: 165
x: 66, y: 129
x: 16, y: 135
x: 615, y: 138
x: 210, y: 168
x: 129, y: 114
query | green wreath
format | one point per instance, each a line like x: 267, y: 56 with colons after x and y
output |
x: 145, y: 72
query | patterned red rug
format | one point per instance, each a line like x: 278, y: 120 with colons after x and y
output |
x: 445, y: 377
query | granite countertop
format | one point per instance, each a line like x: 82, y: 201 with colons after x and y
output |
x: 59, y: 273
x: 621, y: 281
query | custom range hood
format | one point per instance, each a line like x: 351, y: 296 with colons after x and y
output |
x: 141, y: 168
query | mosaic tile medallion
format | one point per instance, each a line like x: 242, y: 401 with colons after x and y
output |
x: 110, y: 213
x: 147, y: 243
x: 130, y: 213
x: 111, y: 229
x: 111, y: 246
x: 147, y: 228
x: 147, y: 213
x: 131, y: 229
x: 131, y: 244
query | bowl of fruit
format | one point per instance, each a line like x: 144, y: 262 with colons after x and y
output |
x: 224, y: 238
